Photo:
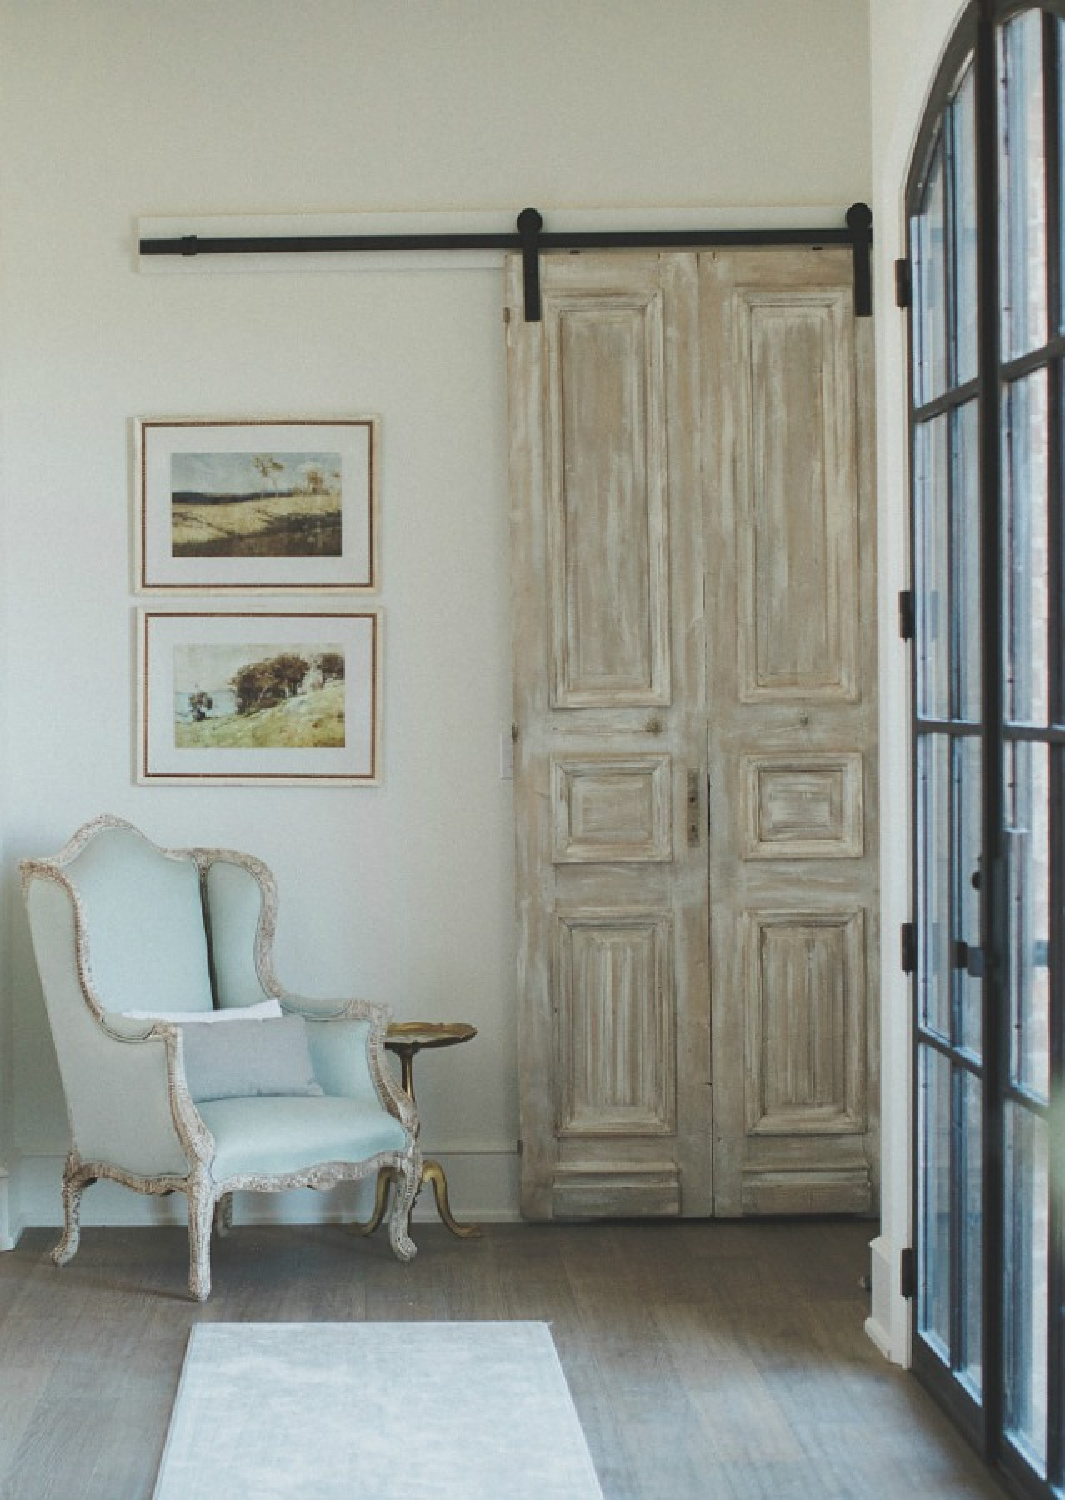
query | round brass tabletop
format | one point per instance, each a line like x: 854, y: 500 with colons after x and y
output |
x: 419, y: 1034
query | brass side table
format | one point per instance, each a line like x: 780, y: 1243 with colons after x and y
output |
x: 406, y: 1039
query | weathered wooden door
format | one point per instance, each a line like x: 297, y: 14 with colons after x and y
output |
x: 791, y: 602
x: 650, y: 465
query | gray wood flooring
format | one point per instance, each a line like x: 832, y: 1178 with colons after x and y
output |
x: 705, y: 1359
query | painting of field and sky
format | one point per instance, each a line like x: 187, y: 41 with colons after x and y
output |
x: 256, y: 505
x: 267, y: 504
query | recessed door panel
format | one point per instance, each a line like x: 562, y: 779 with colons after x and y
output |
x: 612, y: 808
x: 796, y: 526
x: 615, y: 1045
x: 804, y: 805
x: 805, y: 1022
x: 606, y: 478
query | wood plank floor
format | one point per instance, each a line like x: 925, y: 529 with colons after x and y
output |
x: 705, y: 1359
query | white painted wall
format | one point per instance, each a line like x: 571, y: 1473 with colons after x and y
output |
x: 124, y: 108
x: 907, y: 38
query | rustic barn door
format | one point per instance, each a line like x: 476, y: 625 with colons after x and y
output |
x: 791, y: 600
x: 638, y: 490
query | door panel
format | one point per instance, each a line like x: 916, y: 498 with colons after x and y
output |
x: 615, y: 993
x: 607, y: 504
x: 804, y: 805
x: 689, y: 519
x: 612, y: 807
x: 805, y: 983
x: 792, y: 377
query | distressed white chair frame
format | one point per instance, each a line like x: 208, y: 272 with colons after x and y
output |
x: 135, y: 1060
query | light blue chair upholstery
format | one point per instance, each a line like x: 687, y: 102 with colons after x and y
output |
x: 120, y: 925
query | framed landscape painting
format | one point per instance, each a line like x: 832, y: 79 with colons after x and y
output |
x: 269, y: 504
x: 250, y: 698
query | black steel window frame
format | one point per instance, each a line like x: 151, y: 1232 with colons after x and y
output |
x: 983, y: 1415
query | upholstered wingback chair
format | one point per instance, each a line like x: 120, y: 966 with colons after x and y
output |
x: 142, y: 951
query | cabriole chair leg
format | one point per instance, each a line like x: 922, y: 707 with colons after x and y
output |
x: 201, y: 1213
x: 408, y: 1181
x: 75, y: 1181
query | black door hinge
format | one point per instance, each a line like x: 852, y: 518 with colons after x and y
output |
x: 907, y: 615
x: 903, y: 284
x: 908, y: 947
x: 907, y: 1279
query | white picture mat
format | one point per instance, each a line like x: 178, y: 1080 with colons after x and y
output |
x: 161, y: 632
x: 158, y: 439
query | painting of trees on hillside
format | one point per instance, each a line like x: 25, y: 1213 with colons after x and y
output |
x: 270, y: 696
x: 242, y: 697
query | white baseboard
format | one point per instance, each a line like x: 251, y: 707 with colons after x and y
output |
x: 889, y: 1322
x: 482, y: 1187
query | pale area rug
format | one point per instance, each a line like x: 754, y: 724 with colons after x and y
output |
x: 479, y: 1411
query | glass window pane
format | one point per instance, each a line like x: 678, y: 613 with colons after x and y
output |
x: 965, y: 573
x: 968, y: 841
x: 933, y: 882
x: 1022, y: 162
x: 933, y: 1268
x: 931, y: 591
x: 1028, y: 843
x: 972, y: 1245
x: 1025, y: 549
x: 1026, y: 1266
x: 928, y: 254
x: 963, y: 139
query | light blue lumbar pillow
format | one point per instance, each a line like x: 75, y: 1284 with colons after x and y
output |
x: 248, y: 1059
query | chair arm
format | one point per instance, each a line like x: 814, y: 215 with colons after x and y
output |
x: 316, y: 1009
x: 123, y: 1081
x: 346, y: 1039
x: 128, y: 1103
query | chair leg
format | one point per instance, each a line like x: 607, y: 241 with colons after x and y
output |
x: 75, y: 1181
x: 201, y: 1212
x: 408, y: 1180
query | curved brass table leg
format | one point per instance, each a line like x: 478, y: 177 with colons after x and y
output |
x: 385, y: 1178
x: 433, y: 1172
